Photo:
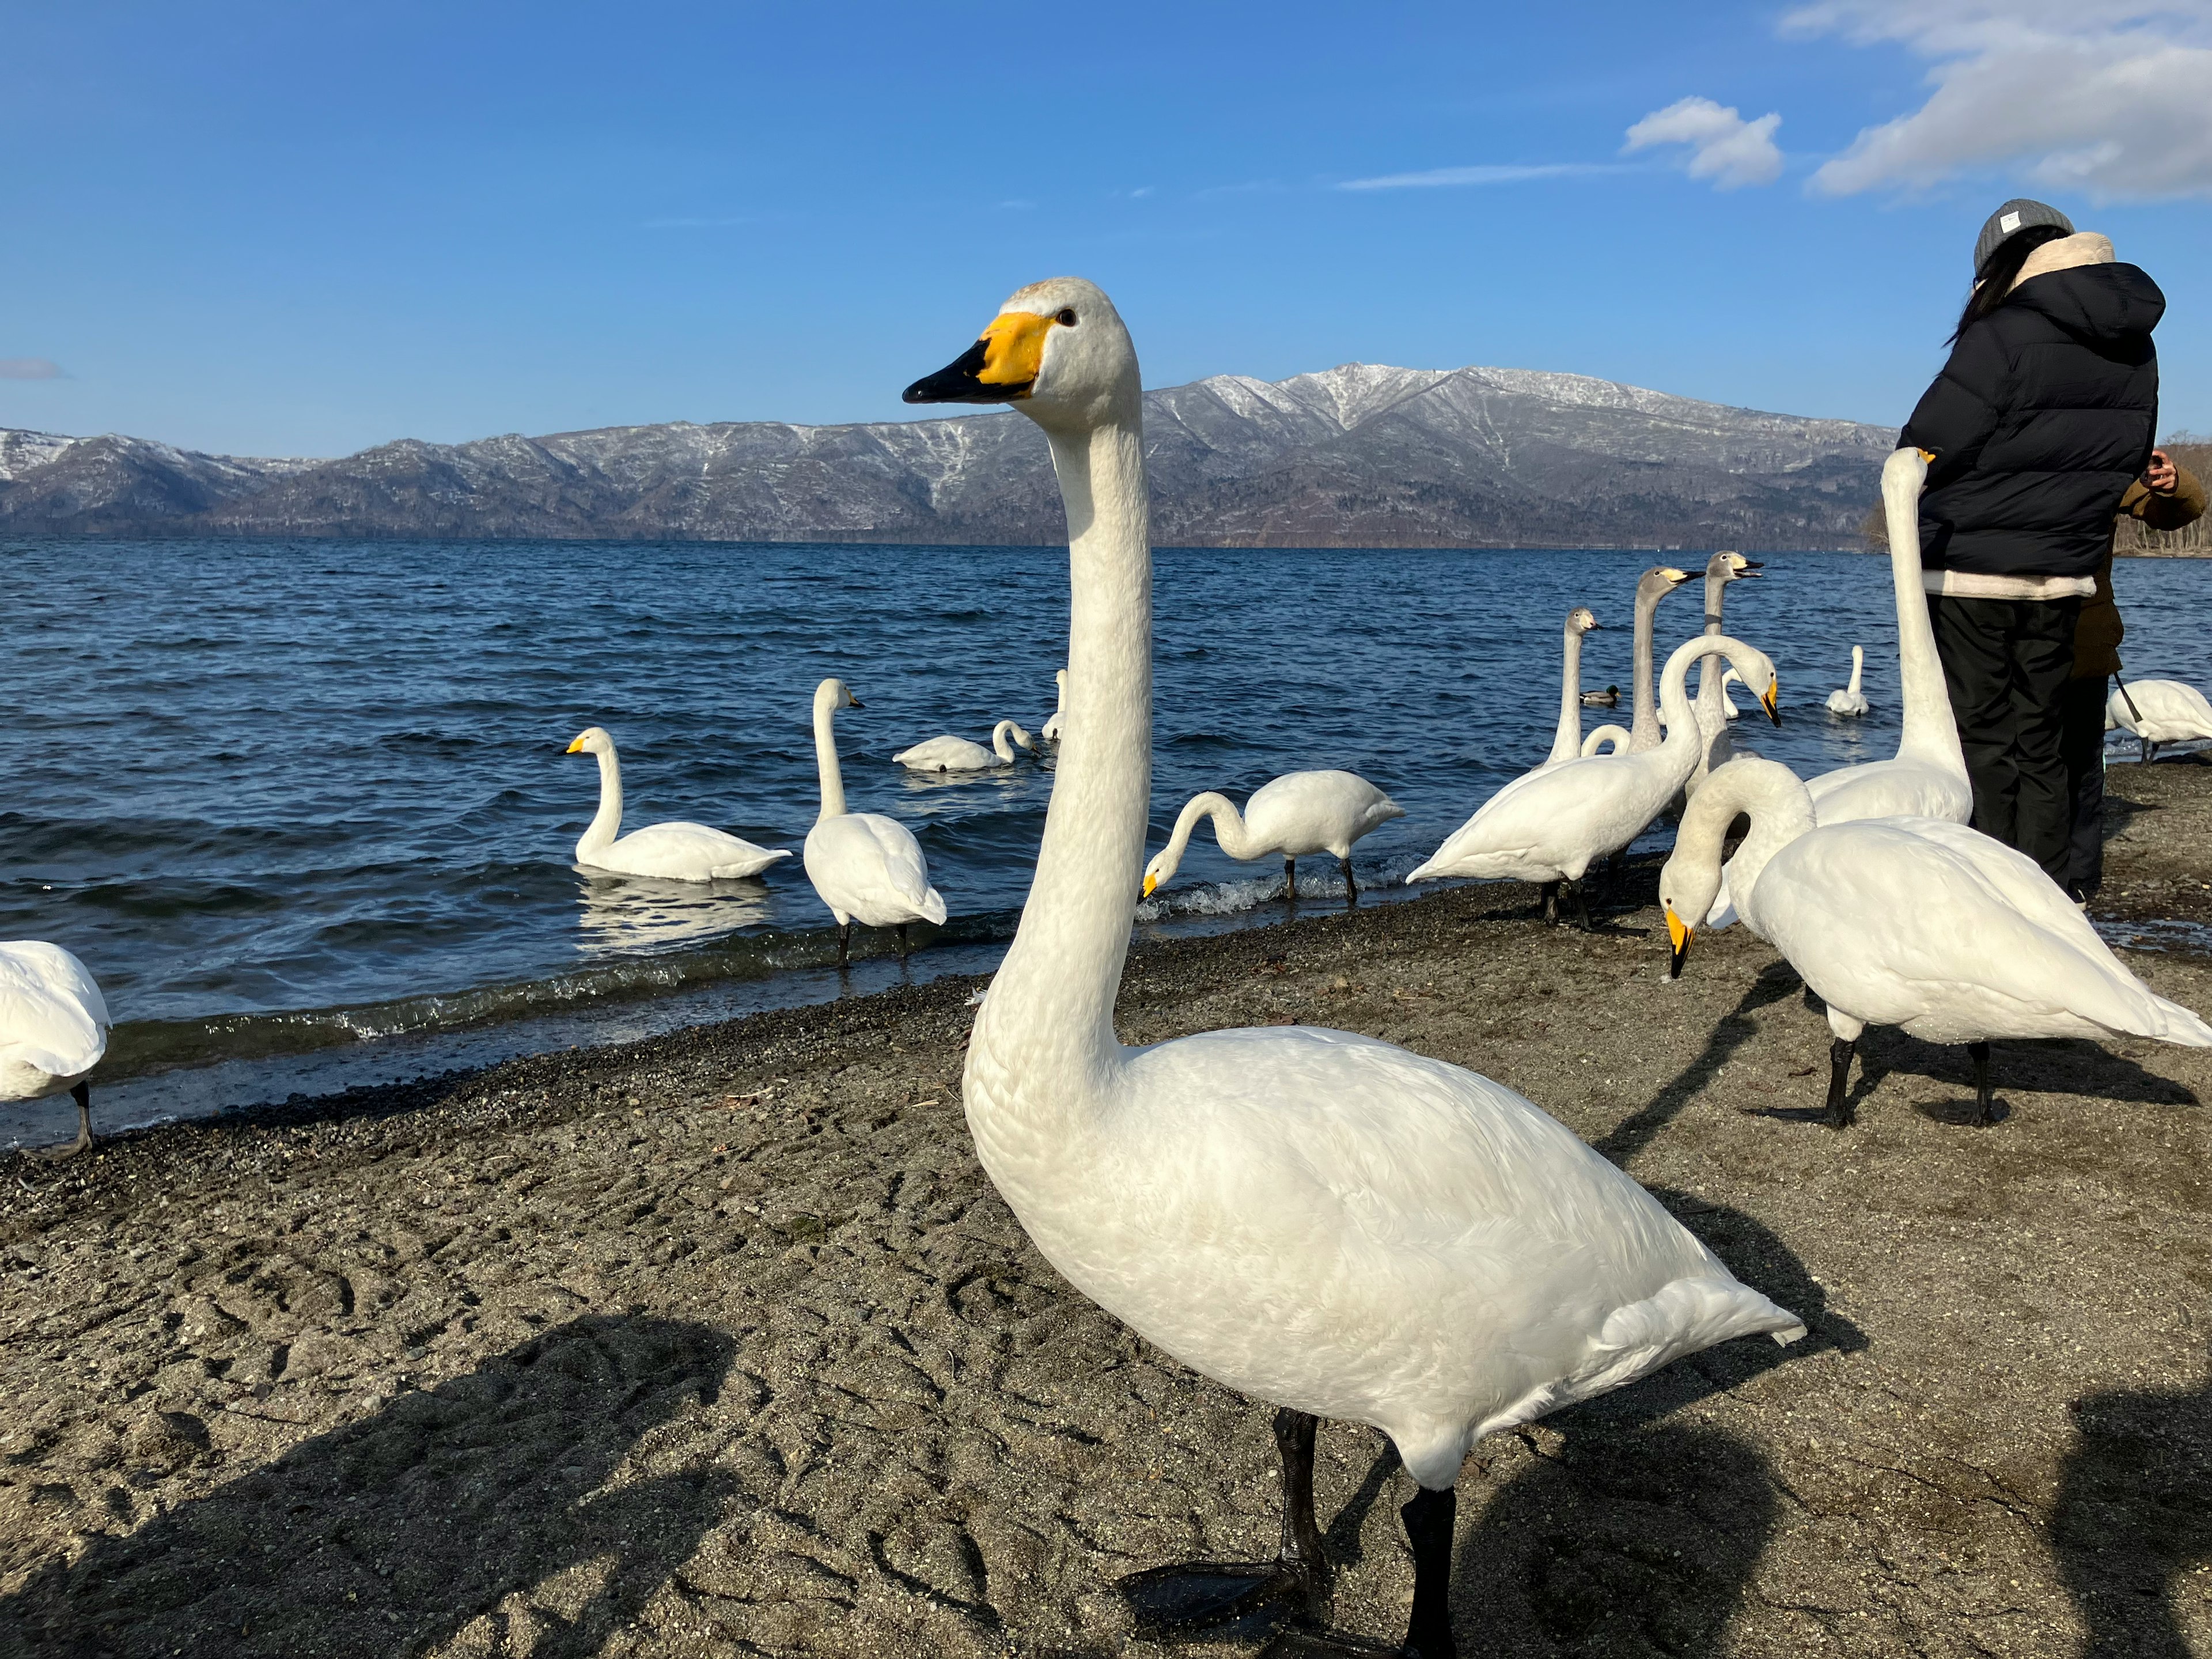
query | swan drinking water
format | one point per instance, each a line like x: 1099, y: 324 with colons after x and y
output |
x: 2164, y: 711
x: 677, y: 851
x: 866, y: 868
x: 1295, y: 814
x: 1851, y: 702
x: 951, y: 754
x: 1908, y: 921
x: 53, y: 1029
x: 1314, y: 1218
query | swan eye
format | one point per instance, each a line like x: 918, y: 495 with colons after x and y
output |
x: 1065, y: 317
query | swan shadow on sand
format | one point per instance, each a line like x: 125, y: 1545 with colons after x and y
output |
x: 2132, y: 1518
x: 393, y: 1533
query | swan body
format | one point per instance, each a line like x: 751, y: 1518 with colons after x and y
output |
x: 1851, y: 702
x: 1712, y: 707
x: 1915, y: 922
x: 53, y: 1028
x: 1056, y: 721
x: 1567, y: 737
x: 951, y: 754
x: 1552, y: 824
x: 866, y: 868
x: 1296, y: 814
x: 2165, y: 711
x: 1319, y: 1219
x: 676, y: 851
x: 1653, y: 585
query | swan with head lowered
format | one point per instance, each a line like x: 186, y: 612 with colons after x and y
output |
x: 867, y: 868
x: 1909, y: 921
x: 53, y: 1029
x: 2159, y: 711
x: 1550, y: 826
x: 951, y: 754
x: 1851, y: 702
x: 676, y: 851
x: 1056, y: 721
x: 1294, y: 815
x: 1317, y: 1220
x: 1711, y: 707
x: 1567, y: 736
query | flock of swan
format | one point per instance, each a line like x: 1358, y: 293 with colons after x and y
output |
x: 1324, y: 1221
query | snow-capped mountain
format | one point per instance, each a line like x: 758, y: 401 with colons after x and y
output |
x: 1361, y: 455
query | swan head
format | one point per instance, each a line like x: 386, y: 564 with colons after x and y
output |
x: 1660, y: 579
x: 834, y: 693
x: 1162, y: 868
x: 1762, y: 683
x: 1732, y: 567
x: 591, y: 740
x: 1579, y: 621
x: 1057, y: 351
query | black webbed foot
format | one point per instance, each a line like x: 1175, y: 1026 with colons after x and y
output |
x: 1213, y: 1601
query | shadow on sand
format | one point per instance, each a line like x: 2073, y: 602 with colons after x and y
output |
x: 391, y: 1535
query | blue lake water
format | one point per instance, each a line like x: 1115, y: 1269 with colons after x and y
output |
x: 301, y: 808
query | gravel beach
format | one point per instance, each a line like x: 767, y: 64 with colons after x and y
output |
x: 722, y: 1344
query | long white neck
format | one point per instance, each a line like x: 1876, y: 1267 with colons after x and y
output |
x: 1044, y: 1043
x: 1685, y: 741
x: 1567, y: 741
x: 998, y: 743
x: 1858, y: 668
x: 1644, y: 728
x: 1228, y: 828
x: 1930, y: 733
x: 607, y: 821
x: 1708, y: 676
x: 825, y: 758
x: 1780, y: 812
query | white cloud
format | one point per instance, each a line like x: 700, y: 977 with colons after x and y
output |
x: 2110, y: 97
x: 1724, y: 146
x: 29, y: 368
x: 1501, y: 174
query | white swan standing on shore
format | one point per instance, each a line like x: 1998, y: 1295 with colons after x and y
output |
x: 53, y: 1029
x: 951, y: 754
x: 676, y: 851
x: 866, y: 868
x: 1056, y: 721
x: 1851, y: 702
x: 1567, y: 737
x: 1550, y: 826
x: 1909, y: 921
x: 2163, y: 712
x: 1294, y: 815
x: 1711, y: 706
x: 1312, y: 1217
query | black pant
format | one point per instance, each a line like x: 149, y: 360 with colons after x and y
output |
x: 2007, y: 663
x: 2082, y: 741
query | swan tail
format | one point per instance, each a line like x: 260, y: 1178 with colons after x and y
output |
x: 933, y: 906
x: 2170, y: 1021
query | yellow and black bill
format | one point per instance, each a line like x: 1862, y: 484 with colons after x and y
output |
x: 1000, y: 367
x: 1770, y: 700
x: 1679, y: 935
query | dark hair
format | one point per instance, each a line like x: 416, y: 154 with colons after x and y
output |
x: 1993, y: 282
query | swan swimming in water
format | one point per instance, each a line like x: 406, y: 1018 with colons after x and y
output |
x: 1295, y: 814
x: 1914, y: 922
x: 1056, y: 721
x: 1314, y: 1218
x: 53, y: 1029
x: 951, y: 754
x: 867, y: 868
x: 1851, y: 702
x: 677, y: 851
x: 2163, y: 712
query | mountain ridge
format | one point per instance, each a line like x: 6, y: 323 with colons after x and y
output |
x: 1359, y: 455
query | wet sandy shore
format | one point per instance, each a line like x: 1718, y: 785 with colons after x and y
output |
x: 722, y: 1344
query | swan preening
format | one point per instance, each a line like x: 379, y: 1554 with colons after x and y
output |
x: 1550, y: 826
x: 2161, y: 712
x: 53, y: 1029
x: 1294, y: 815
x: 677, y: 851
x: 1851, y: 702
x: 1909, y: 921
x: 1567, y: 737
x: 1314, y: 1218
x: 951, y: 754
x: 867, y: 868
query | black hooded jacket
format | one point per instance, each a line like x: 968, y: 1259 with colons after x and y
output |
x: 2046, y: 412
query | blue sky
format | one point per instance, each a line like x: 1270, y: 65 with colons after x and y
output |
x: 287, y: 229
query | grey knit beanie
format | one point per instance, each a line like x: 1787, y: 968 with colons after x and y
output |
x: 2016, y: 215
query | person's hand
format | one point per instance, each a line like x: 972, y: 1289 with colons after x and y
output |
x: 2159, y: 475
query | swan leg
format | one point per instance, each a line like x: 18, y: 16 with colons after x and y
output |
x: 2143, y: 744
x: 1289, y: 877
x: 844, y: 944
x: 1841, y: 1113
x: 1548, y: 904
x: 1985, y: 1102
x: 1351, y: 886
x: 900, y: 930
x: 1582, y: 906
x: 83, y: 1095
x: 1429, y: 1520
x: 1205, y: 1595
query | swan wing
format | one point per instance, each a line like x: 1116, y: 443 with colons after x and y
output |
x: 681, y: 851
x: 1902, y: 787
x: 1557, y: 819
x: 1928, y: 925
x: 947, y: 754
x: 52, y: 1016
x: 872, y: 867
x: 1304, y: 812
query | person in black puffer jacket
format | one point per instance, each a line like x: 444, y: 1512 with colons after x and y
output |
x: 2044, y: 415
